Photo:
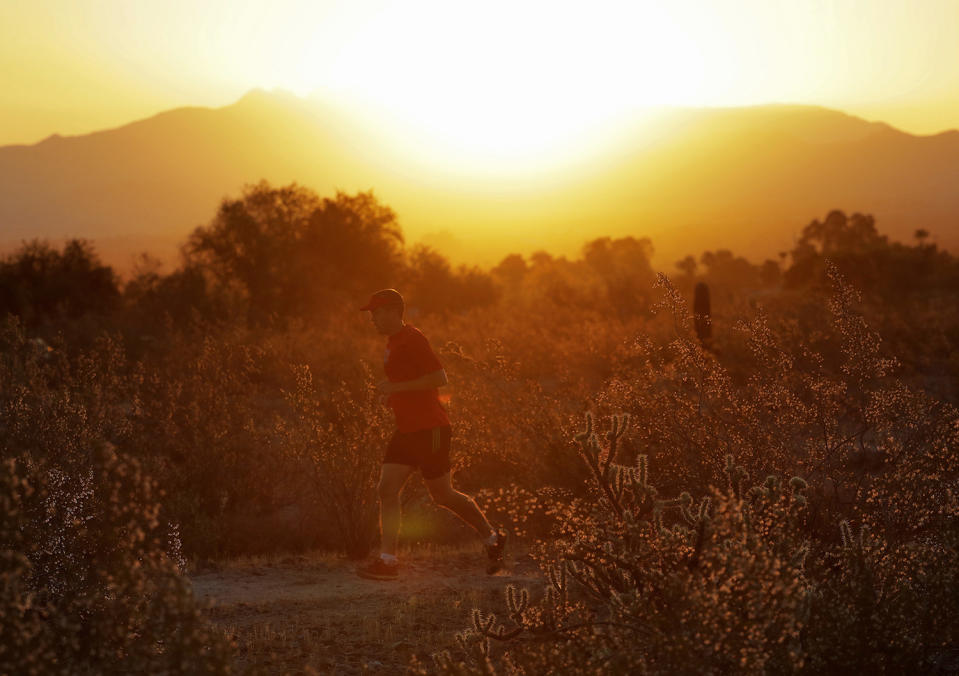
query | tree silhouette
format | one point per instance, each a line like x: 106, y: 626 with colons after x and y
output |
x: 432, y: 285
x: 39, y: 283
x: 625, y: 269
x: 687, y: 266
x: 290, y: 253
x: 852, y: 241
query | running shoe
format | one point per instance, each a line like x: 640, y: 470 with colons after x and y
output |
x: 378, y: 569
x: 495, y: 553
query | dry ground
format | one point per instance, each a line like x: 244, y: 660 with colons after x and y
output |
x: 312, y: 614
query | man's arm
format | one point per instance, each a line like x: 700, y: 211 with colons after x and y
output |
x: 428, y: 382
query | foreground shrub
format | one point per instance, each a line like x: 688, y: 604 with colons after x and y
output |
x: 88, y: 585
x: 642, y: 583
x: 90, y: 566
x: 852, y: 564
x: 827, y: 405
x: 202, y: 419
x: 731, y: 584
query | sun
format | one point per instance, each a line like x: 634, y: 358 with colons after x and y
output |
x: 512, y: 84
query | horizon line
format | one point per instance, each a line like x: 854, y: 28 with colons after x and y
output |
x: 356, y: 104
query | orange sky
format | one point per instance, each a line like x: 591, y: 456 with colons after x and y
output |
x: 499, y: 79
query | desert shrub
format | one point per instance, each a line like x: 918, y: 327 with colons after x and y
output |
x: 774, y: 578
x: 89, y: 585
x: 57, y: 403
x: 528, y: 514
x: 734, y: 584
x: 908, y: 291
x: 826, y: 405
x: 337, y: 437
x: 200, y: 413
x: 883, y: 606
x: 640, y: 583
x: 203, y: 418
x: 90, y: 563
x: 504, y: 419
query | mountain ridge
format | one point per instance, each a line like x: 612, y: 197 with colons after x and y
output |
x: 259, y: 95
x: 758, y: 172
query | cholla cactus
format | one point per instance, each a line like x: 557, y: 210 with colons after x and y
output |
x: 735, y: 475
x: 657, y: 576
x: 612, y: 478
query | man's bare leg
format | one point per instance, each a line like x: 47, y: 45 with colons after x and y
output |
x: 392, y: 478
x: 460, y: 504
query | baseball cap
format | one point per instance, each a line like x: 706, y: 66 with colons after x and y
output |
x: 382, y: 298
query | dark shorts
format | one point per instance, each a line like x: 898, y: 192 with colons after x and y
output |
x: 429, y: 450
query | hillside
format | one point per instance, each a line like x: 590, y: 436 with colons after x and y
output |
x: 691, y: 179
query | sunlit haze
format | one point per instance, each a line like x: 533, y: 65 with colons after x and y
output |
x: 490, y: 128
x: 491, y: 83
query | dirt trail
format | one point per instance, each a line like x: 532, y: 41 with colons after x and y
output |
x: 312, y: 613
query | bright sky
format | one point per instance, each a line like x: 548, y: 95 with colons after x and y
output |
x: 499, y: 76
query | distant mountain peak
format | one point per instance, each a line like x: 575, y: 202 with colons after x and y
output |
x: 261, y: 96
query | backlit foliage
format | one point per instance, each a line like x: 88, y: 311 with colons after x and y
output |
x: 783, y: 501
x: 757, y: 574
x: 91, y: 573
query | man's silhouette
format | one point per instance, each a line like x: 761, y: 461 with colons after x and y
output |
x: 422, y: 436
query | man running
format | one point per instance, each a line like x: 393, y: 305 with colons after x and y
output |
x: 421, y: 439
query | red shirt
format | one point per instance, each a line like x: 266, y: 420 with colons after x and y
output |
x: 408, y: 357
